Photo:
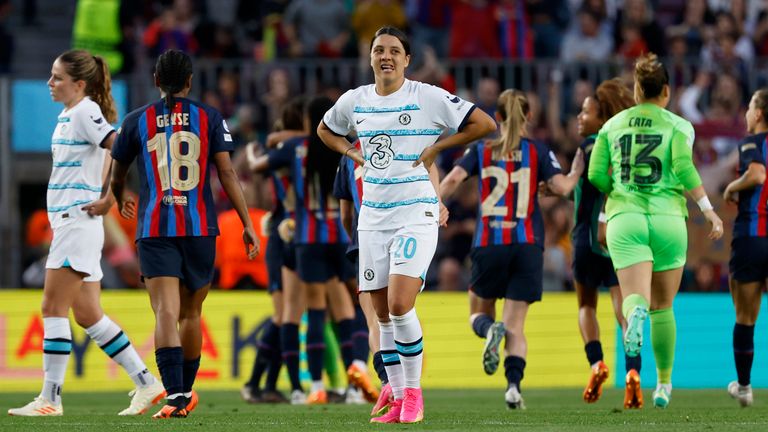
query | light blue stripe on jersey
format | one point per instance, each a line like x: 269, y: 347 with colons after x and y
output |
x: 78, y: 186
x: 525, y: 150
x: 57, y: 209
x: 410, y: 349
x: 194, y: 215
x: 398, y: 132
x: 395, y: 180
x: 64, y: 119
x: 116, y: 345
x: 150, y: 173
x: 373, y: 110
x: 49, y: 345
x: 171, y: 213
x: 399, y: 157
x: 390, y: 358
x: 386, y: 205
x: 64, y: 141
x: 67, y: 164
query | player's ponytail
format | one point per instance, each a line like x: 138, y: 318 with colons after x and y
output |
x: 761, y: 103
x: 172, y: 72
x: 612, y: 97
x: 650, y: 77
x: 82, y: 66
x: 513, y: 109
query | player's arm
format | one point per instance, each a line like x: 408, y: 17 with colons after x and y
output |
x: 231, y: 184
x: 102, y: 205
x: 434, y: 178
x: 275, y: 138
x: 478, y: 125
x: 256, y: 163
x: 339, y: 143
x: 125, y: 204
x: 599, y: 163
x: 563, y: 185
x: 754, y: 174
x: 452, y: 181
x: 346, y: 210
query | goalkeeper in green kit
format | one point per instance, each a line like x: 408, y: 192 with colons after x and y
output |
x: 642, y: 159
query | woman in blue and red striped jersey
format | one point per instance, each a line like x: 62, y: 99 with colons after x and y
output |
x: 507, y: 252
x: 749, y: 247
x: 176, y: 140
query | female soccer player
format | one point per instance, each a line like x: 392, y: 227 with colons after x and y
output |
x: 592, y: 266
x: 649, y: 152
x: 398, y: 122
x: 749, y: 247
x: 77, y: 199
x: 507, y: 252
x: 176, y: 140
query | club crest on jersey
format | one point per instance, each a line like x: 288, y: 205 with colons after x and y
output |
x: 382, y: 155
x: 368, y: 275
x: 170, y: 200
x: 404, y: 119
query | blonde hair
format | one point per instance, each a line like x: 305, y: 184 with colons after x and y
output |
x: 650, y: 77
x: 612, y: 97
x: 81, y: 65
x: 513, y: 108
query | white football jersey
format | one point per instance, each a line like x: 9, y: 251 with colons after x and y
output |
x: 78, y: 160
x: 393, y: 131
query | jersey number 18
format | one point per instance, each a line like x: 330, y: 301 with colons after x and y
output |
x: 159, y: 144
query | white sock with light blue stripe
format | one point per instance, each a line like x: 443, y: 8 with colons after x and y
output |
x: 57, y: 345
x: 110, y: 338
x: 391, y: 359
x: 408, y: 341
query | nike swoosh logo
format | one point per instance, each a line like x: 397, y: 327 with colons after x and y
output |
x: 359, y: 121
x: 398, y: 263
x: 97, y: 120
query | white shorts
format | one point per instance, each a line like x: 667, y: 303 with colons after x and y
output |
x: 77, y: 244
x: 405, y: 251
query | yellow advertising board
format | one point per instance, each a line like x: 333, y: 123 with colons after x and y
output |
x: 452, y: 352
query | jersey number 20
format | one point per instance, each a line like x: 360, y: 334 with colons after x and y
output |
x: 521, y: 176
x: 159, y: 144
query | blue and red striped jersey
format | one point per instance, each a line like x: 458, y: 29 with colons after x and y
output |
x: 316, y: 210
x: 509, y: 209
x: 283, y: 197
x: 348, y: 186
x: 175, y: 149
x: 752, y: 219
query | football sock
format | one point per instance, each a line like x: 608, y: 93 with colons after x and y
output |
x: 331, y: 355
x: 378, y: 365
x: 409, y: 345
x: 110, y: 338
x: 594, y: 352
x: 663, y: 335
x: 360, y: 336
x: 743, y: 351
x: 481, y: 324
x: 170, y: 362
x: 189, y: 372
x: 391, y: 359
x: 635, y: 363
x: 266, y: 347
x: 315, y: 343
x: 289, y: 339
x: 345, y: 341
x: 57, y: 345
x: 275, y: 361
x: 514, y: 368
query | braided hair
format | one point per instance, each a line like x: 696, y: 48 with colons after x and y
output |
x: 173, y: 69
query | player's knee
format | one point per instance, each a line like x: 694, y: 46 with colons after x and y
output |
x: 86, y: 317
x: 398, y: 307
x: 50, y: 308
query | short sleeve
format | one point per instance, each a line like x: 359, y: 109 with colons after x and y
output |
x: 282, y: 156
x: 749, y: 152
x: 339, y: 117
x: 219, y: 135
x: 469, y: 161
x: 126, y: 145
x: 90, y: 122
x: 341, y: 186
x: 447, y: 110
x: 548, y: 163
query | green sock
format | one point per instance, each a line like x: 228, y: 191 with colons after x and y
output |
x: 631, y: 301
x: 331, y: 358
x: 663, y: 335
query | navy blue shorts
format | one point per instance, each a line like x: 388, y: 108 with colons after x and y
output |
x: 512, y: 272
x: 749, y: 259
x: 190, y: 259
x: 320, y: 262
x: 593, y: 270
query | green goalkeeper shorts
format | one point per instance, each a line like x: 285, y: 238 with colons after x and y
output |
x: 636, y: 237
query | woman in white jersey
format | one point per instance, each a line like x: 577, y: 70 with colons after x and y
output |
x: 77, y: 199
x: 398, y: 122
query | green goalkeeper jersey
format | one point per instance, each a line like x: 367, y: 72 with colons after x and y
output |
x: 643, y: 160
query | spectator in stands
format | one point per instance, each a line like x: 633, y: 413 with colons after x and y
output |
x: 557, y: 246
x: 167, y: 32
x: 548, y: 18
x: 272, y: 102
x: 429, y: 21
x: 693, y: 24
x: 371, y: 15
x: 633, y: 45
x: 316, y: 28
x: 639, y: 13
x: 514, y: 29
x: 586, y: 42
x: 475, y: 35
x: 433, y: 72
x: 228, y: 86
x: 487, y: 94
x: 260, y: 21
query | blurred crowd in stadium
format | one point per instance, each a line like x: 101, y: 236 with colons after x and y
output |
x: 556, y: 50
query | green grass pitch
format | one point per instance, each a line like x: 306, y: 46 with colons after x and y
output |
x: 455, y: 410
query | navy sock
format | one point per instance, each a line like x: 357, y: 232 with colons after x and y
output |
x: 170, y: 363
x: 190, y: 373
x: 345, y: 341
x: 266, y: 347
x: 315, y: 343
x: 289, y: 337
x: 635, y: 363
x: 275, y: 361
x: 481, y: 324
x: 513, y: 368
x: 378, y: 365
x: 594, y: 351
x: 743, y: 351
x: 360, y: 336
